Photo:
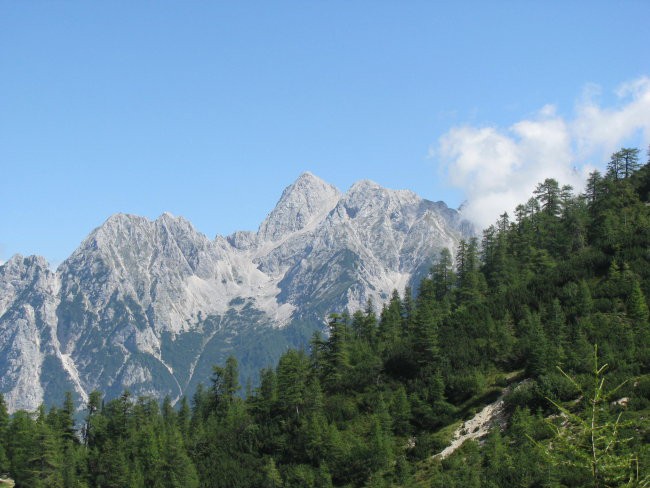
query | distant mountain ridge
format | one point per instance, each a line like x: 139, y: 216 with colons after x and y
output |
x: 152, y: 305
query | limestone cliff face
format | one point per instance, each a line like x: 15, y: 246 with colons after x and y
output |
x: 29, y: 350
x: 151, y: 305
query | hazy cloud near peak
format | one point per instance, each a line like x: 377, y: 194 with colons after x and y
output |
x: 498, y: 169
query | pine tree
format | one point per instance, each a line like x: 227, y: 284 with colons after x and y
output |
x: 407, y: 310
x: 390, y: 323
x: 267, y: 393
x: 112, y: 466
x: 365, y: 324
x: 291, y: 380
x: 556, y: 329
x: 337, y: 355
x: 588, y: 442
x: 537, y: 349
x: 143, y: 443
x: 425, y: 334
x: 184, y: 418
x: 630, y: 161
x: 467, y: 271
x: 548, y: 195
x: 615, y: 166
x: 66, y: 422
x: 499, y: 467
x: 594, y: 187
x: 4, y: 423
x: 92, y: 408
x: 637, y: 308
x: 175, y: 469
x: 21, y: 438
x: 225, y: 384
x: 4, y: 416
x: 400, y: 411
x: 118, y: 413
x: 272, y: 477
x: 442, y: 275
x: 45, y: 458
x: 566, y: 197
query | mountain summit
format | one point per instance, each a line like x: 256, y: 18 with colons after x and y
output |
x: 152, y: 305
x: 305, y: 202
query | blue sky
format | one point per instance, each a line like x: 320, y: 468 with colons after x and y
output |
x: 209, y: 109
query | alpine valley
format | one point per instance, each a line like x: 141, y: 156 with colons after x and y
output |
x: 151, y: 306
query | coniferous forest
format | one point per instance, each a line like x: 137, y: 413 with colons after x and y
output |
x: 548, y: 309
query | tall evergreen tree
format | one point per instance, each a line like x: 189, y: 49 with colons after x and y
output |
x: 337, y: 354
x: 442, y: 275
x: 92, y: 407
x: 467, y: 270
x: 292, y: 382
x: 4, y: 423
x: 45, y: 459
x: 594, y: 187
x: 548, y: 195
x: 225, y: 384
x: 630, y: 160
x: 66, y: 422
x: 390, y: 323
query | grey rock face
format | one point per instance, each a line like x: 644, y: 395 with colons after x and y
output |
x: 304, y: 202
x: 28, y: 347
x: 151, y: 305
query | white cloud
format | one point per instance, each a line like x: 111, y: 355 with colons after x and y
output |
x: 499, y: 169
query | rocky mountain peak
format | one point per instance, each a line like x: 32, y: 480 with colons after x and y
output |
x: 367, y: 200
x: 152, y: 305
x: 304, y: 202
x: 20, y: 263
x: 364, y: 185
x: 22, y: 273
x: 369, y: 190
x: 174, y: 222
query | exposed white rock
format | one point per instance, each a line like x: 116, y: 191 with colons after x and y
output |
x: 478, y: 426
x: 28, y: 289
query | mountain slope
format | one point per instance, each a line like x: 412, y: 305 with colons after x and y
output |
x: 152, y: 305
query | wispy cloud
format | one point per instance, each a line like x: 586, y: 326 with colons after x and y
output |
x: 498, y: 169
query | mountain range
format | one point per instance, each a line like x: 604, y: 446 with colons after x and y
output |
x: 152, y: 305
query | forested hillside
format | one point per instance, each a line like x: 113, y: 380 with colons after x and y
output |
x: 551, y: 304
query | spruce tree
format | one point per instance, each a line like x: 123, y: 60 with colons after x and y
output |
x: 587, y: 442
x: 46, y: 456
x: 4, y: 423
x: 594, y: 186
x: 337, y: 354
x: 22, y: 437
x: 630, y: 160
x: 225, y: 384
x: 184, y: 418
x: 291, y: 381
x: 390, y: 323
x: 548, y: 195
x: 92, y: 408
x: 442, y: 275
x: 66, y: 419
